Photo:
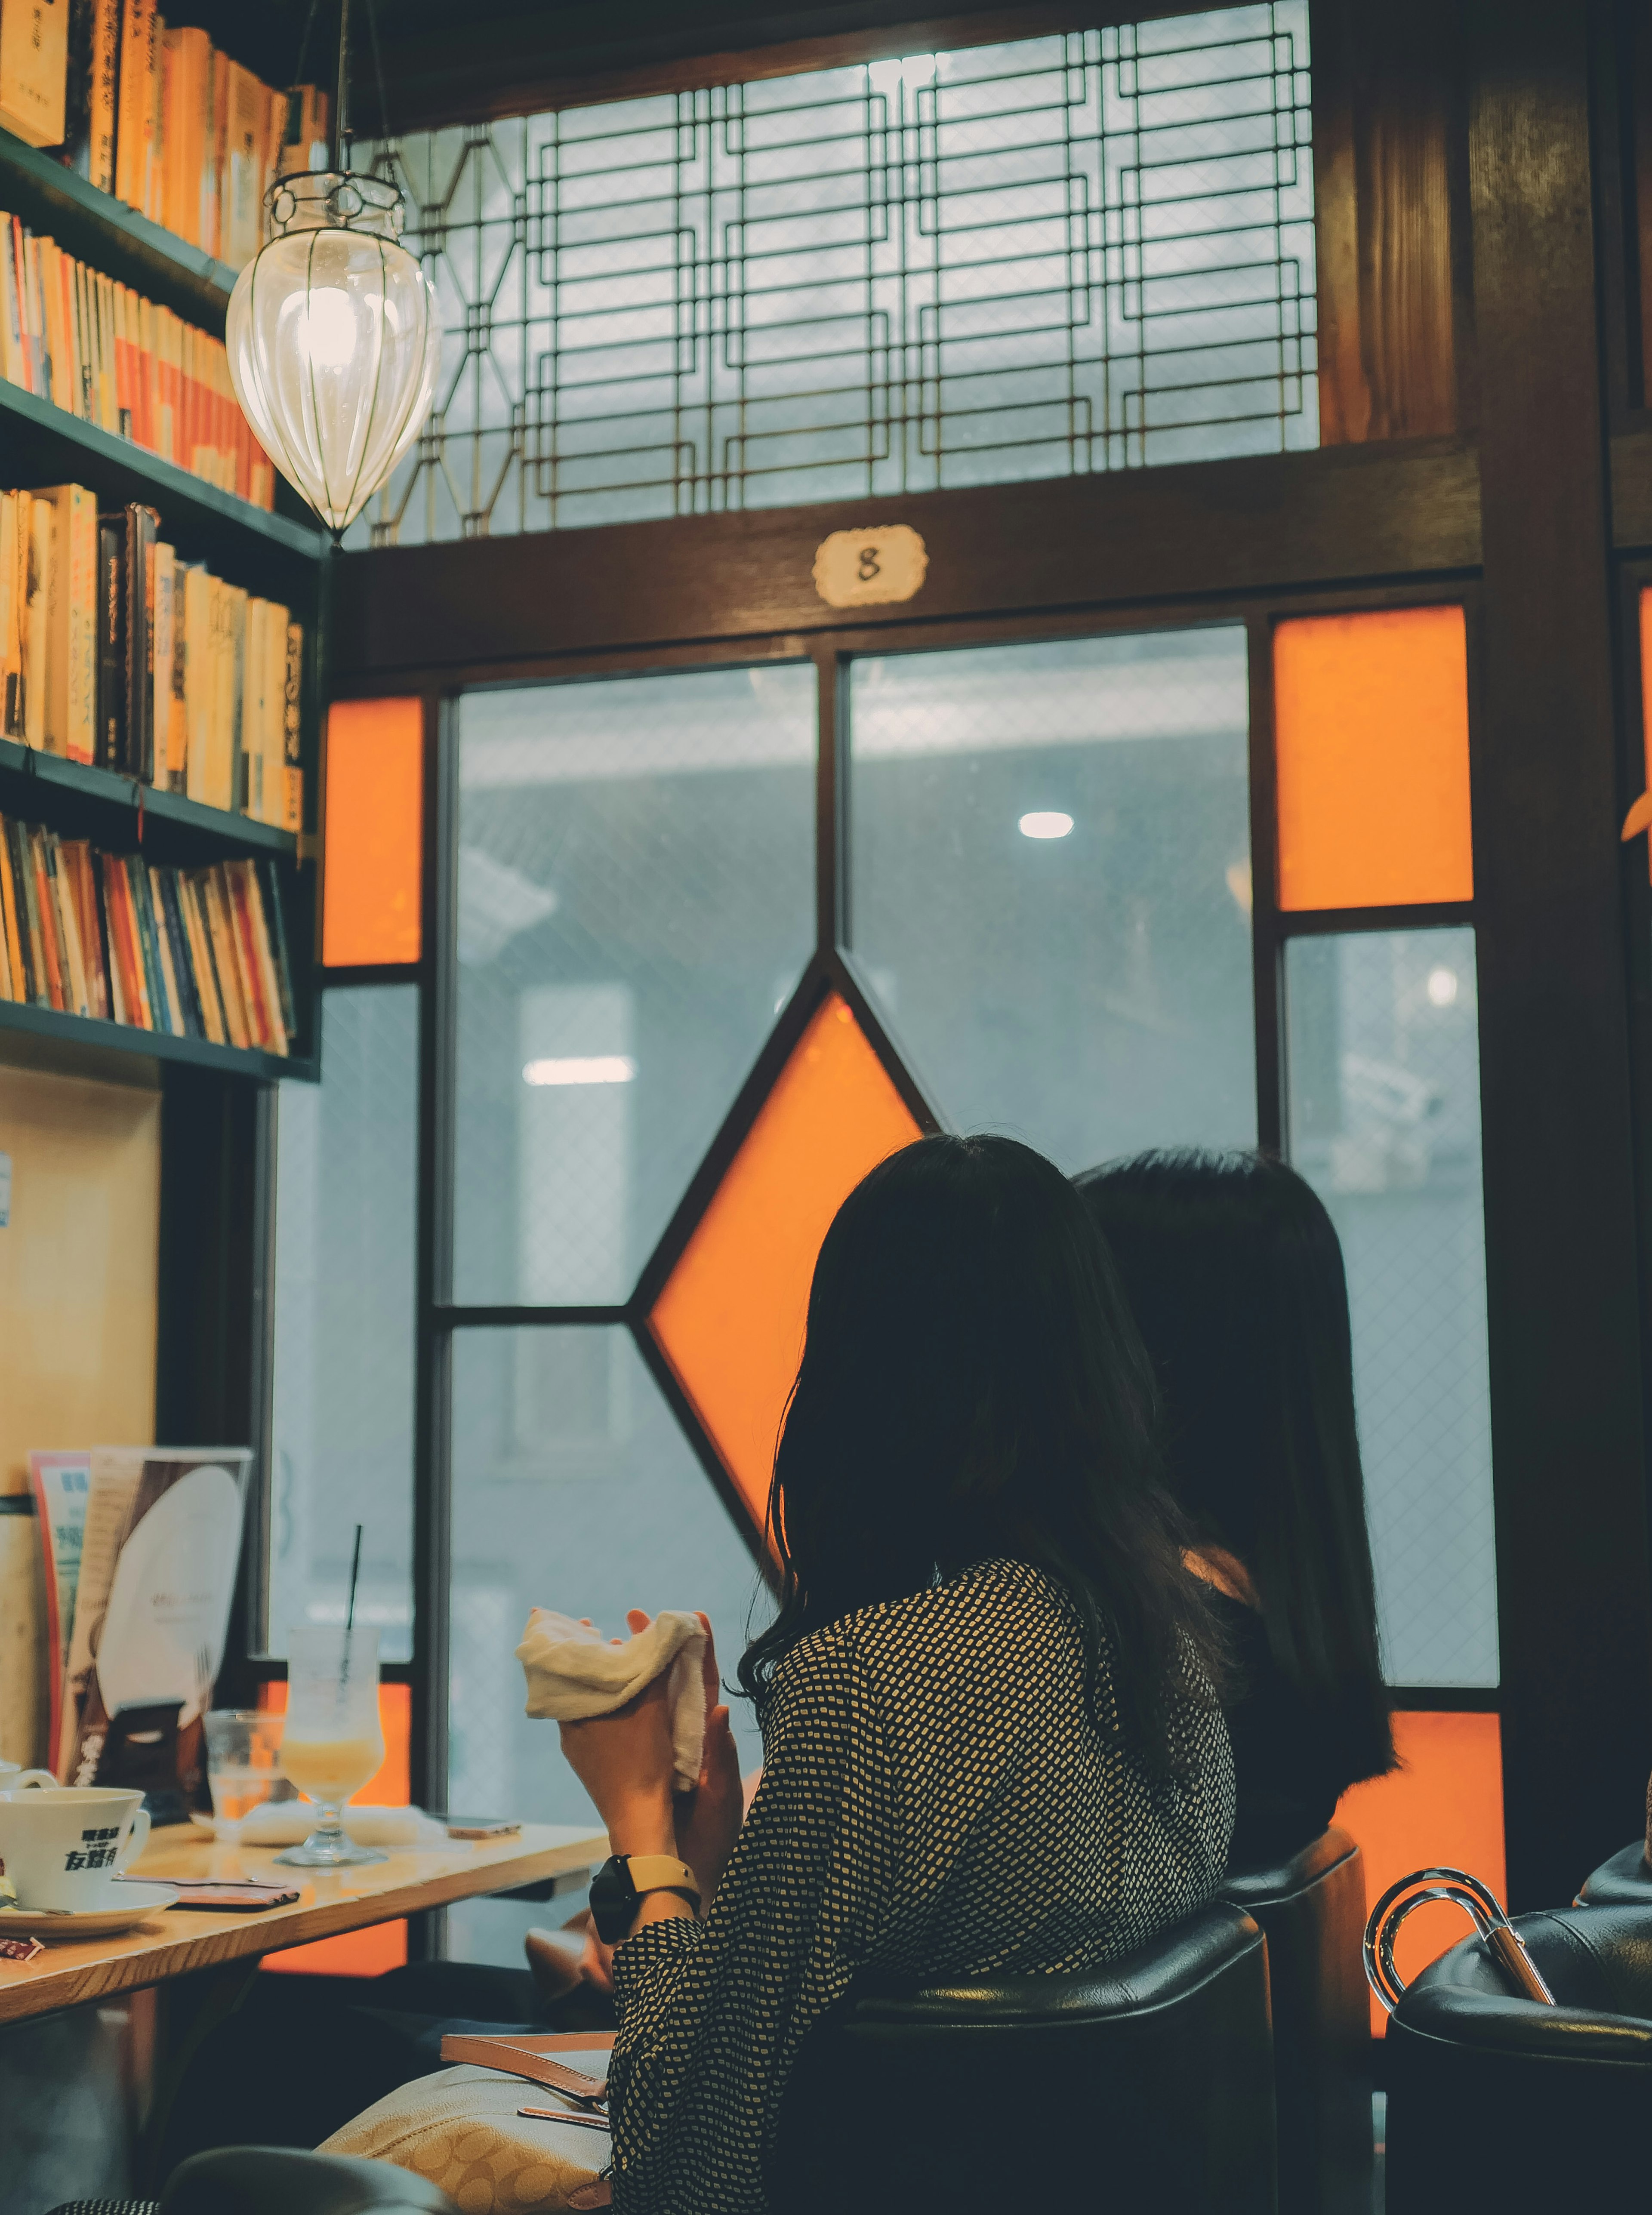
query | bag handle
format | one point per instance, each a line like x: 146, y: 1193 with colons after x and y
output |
x: 1503, y: 1942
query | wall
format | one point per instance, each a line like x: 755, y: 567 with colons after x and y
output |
x: 77, y: 1310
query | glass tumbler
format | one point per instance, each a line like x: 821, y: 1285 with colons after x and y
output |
x: 243, y: 1765
x: 332, y: 1743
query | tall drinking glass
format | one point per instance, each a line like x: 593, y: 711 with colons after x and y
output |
x: 243, y: 1765
x: 332, y: 1743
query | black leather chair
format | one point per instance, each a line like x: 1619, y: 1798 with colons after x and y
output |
x: 1147, y: 2085
x: 279, y: 2181
x: 1624, y: 1882
x: 1311, y: 1909
x: 1496, y: 2101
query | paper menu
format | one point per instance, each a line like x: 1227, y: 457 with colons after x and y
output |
x: 113, y: 1477
x: 61, y: 1485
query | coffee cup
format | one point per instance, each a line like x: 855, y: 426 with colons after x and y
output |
x: 12, y: 1777
x: 63, y: 1848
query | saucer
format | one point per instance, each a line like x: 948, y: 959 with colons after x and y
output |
x: 138, y: 1901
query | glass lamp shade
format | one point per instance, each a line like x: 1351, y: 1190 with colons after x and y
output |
x: 333, y: 341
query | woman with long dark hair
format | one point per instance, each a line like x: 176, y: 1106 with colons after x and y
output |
x: 1234, y: 1273
x: 990, y: 1738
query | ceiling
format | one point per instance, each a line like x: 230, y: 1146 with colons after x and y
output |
x: 447, y: 60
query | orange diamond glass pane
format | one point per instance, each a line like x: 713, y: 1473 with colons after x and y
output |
x: 1444, y: 1805
x: 730, y: 1319
x: 374, y: 791
x: 1370, y: 721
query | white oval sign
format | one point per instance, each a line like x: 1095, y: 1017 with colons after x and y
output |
x: 863, y: 569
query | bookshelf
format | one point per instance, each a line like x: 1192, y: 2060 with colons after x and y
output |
x: 87, y: 1032
x: 81, y: 802
x: 278, y: 554
x: 122, y: 243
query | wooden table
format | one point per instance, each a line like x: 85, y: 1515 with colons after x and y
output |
x: 178, y: 1940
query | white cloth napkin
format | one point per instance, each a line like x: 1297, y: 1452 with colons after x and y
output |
x: 289, y: 1823
x: 574, y: 1672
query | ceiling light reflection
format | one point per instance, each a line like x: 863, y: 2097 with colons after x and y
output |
x: 1045, y: 823
x: 580, y: 1069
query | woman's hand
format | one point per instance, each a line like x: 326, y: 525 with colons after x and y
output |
x: 709, y: 1818
x: 624, y: 1762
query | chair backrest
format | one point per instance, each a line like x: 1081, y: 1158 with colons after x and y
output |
x: 281, y: 2180
x: 1311, y: 1909
x: 1148, y: 2084
x: 1497, y: 2102
x: 1624, y: 1882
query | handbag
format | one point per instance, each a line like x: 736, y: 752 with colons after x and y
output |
x: 1502, y: 1940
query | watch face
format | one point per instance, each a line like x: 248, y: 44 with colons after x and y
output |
x: 613, y: 1899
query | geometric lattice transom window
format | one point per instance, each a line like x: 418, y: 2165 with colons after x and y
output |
x: 1088, y: 251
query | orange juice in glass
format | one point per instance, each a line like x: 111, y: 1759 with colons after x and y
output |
x: 332, y: 1743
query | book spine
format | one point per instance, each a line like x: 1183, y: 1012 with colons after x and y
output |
x: 28, y: 934
x: 33, y: 70
x: 40, y: 890
x: 171, y: 989
x: 148, y: 952
x: 105, y: 73
x: 137, y: 675
x: 272, y: 1009
x: 221, y: 928
x: 192, y: 903
x: 120, y: 1000
x: 275, y: 925
x: 82, y: 624
x: 38, y: 630
x: 76, y: 856
x: 292, y: 728
x: 261, y: 1026
x: 17, y: 981
x: 140, y: 1009
x: 111, y: 643
x: 65, y: 915
x: 169, y: 895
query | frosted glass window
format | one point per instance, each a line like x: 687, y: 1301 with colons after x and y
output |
x: 1051, y: 885
x: 574, y: 1488
x: 346, y: 1228
x: 1034, y: 259
x: 1384, y: 1062
x: 635, y: 900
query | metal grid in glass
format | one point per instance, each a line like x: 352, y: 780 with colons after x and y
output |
x: 1083, y: 252
x: 574, y: 1488
x: 635, y: 881
x: 1051, y: 889
x: 1383, y: 1058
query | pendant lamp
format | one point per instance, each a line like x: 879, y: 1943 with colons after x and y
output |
x: 333, y: 337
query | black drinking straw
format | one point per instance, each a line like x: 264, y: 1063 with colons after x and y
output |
x: 350, y: 1612
x: 355, y: 1571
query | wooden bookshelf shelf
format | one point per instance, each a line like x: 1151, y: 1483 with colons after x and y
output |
x: 42, y: 443
x: 81, y: 802
x: 114, y: 237
x: 86, y: 1031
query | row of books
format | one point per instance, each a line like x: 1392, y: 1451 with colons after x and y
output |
x: 157, y: 116
x: 73, y: 336
x: 114, y: 653
x: 195, y: 953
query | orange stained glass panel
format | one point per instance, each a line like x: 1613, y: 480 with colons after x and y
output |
x: 382, y: 1945
x: 1445, y: 1804
x: 730, y: 1319
x: 1371, y: 725
x: 373, y: 844
x: 1646, y: 697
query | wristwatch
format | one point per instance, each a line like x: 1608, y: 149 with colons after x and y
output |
x: 618, y: 1886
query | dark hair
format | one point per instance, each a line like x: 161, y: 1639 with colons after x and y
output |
x: 971, y: 1385
x: 1233, y: 1269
